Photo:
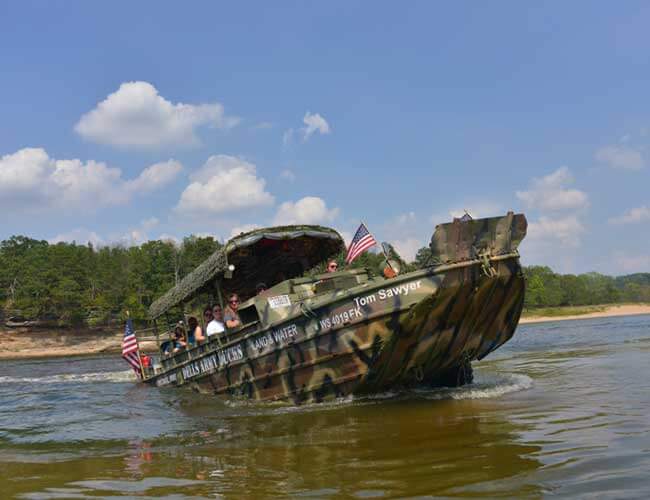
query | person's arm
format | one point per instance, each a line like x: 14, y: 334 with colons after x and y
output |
x: 198, y: 334
x: 232, y: 320
x: 233, y: 323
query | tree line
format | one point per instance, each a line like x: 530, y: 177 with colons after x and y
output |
x: 72, y: 284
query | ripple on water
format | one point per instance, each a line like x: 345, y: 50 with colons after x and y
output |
x: 73, y: 378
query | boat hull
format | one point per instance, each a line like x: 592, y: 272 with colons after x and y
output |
x: 399, y: 332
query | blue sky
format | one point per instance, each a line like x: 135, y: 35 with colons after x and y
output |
x: 121, y: 122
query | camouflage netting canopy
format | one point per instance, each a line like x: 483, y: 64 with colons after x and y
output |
x: 269, y: 255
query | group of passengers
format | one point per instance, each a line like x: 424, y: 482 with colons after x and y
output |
x: 215, y: 320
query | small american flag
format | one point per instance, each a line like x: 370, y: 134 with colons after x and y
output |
x: 130, y: 348
x: 361, y: 242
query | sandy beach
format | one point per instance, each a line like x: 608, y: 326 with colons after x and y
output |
x: 23, y: 343
x: 613, y: 310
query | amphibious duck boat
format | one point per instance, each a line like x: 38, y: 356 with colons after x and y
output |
x: 308, y: 338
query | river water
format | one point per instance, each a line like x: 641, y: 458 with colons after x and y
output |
x: 563, y: 409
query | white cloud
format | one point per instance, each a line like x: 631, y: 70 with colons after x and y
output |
x: 288, y: 175
x: 137, y: 235
x: 314, y: 123
x: 632, y: 263
x: 287, y: 137
x: 31, y: 178
x: 136, y: 116
x: 308, y: 210
x: 155, y: 176
x: 620, y: 157
x: 407, y: 248
x: 632, y: 216
x: 404, y: 232
x: 170, y: 238
x: 244, y: 228
x: 224, y: 184
x: 550, y: 193
x: 80, y: 236
x: 565, y: 231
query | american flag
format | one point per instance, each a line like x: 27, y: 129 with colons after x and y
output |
x: 130, y: 348
x: 361, y: 242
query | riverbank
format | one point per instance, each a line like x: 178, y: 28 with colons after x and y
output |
x: 583, y: 312
x: 21, y: 343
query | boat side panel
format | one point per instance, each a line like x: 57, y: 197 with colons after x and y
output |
x: 398, y: 332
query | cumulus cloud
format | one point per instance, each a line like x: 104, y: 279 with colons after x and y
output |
x: 155, y: 176
x: 565, y: 231
x: 80, y: 236
x: 620, y: 157
x: 136, y: 116
x: 632, y: 216
x: 314, y: 123
x: 244, y: 228
x: 407, y: 248
x: 308, y: 210
x: 224, y: 184
x: 404, y: 231
x: 30, y: 177
x: 550, y: 193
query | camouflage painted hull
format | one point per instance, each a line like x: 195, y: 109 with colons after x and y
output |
x: 385, y: 333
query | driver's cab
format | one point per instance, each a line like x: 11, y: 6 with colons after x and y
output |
x: 284, y: 299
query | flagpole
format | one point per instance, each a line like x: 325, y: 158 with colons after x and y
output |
x: 382, y: 246
x: 128, y: 316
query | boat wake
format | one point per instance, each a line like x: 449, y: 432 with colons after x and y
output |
x: 63, y: 378
x: 485, y: 386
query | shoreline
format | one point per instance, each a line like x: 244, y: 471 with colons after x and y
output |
x: 25, y: 343
x: 607, y: 311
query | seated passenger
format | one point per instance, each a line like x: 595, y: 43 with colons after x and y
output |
x: 216, y: 325
x: 332, y: 266
x: 207, y: 317
x: 179, y: 339
x: 195, y: 333
x: 166, y: 347
x: 231, y: 315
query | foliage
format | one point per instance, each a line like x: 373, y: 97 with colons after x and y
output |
x: 80, y: 284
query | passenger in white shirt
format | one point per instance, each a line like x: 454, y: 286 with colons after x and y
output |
x: 216, y: 325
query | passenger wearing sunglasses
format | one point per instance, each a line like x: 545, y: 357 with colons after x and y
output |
x: 230, y: 314
x: 332, y: 266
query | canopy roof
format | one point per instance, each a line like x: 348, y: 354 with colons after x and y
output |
x: 269, y: 255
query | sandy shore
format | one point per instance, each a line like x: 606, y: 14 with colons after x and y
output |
x: 616, y: 310
x: 26, y: 343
